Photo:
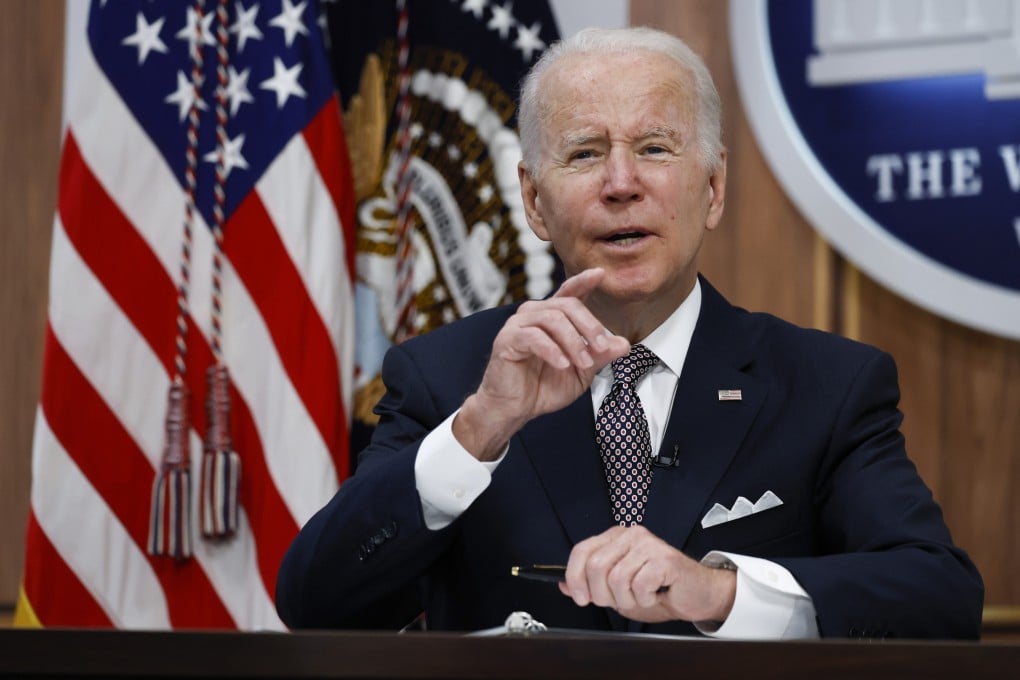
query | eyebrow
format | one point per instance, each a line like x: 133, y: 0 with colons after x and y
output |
x: 660, y: 131
x: 582, y: 139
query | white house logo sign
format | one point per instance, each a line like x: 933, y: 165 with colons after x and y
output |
x: 894, y: 125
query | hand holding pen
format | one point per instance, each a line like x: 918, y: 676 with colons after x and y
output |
x: 644, y: 578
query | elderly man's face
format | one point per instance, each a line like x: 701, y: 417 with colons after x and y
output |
x: 621, y: 184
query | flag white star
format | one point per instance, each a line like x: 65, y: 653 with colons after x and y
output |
x: 237, y: 89
x: 502, y: 20
x: 470, y: 170
x: 435, y: 140
x: 289, y: 19
x: 146, y: 37
x: 232, y: 157
x: 190, y: 30
x: 416, y: 130
x: 284, y: 82
x: 453, y: 151
x: 528, y: 41
x: 476, y: 7
x: 485, y: 193
x: 183, y: 96
x: 245, y: 27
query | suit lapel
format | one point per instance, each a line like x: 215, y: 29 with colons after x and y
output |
x: 562, y: 449
x: 706, y: 432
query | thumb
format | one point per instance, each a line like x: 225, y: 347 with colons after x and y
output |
x: 580, y: 285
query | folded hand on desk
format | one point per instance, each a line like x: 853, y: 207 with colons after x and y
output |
x: 626, y: 568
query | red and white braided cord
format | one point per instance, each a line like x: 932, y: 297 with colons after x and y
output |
x: 405, y: 326
x: 222, y: 59
x: 190, y: 176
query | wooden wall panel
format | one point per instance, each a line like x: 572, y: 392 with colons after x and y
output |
x: 31, y: 68
x: 960, y: 388
x: 980, y: 389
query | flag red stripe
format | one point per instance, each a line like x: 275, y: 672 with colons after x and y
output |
x: 122, y: 260
x: 152, y: 312
x: 328, y: 146
x: 122, y: 475
x: 302, y: 340
x: 55, y: 592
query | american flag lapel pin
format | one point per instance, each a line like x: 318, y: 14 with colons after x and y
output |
x: 730, y: 395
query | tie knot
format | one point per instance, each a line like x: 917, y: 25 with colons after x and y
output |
x: 629, y: 369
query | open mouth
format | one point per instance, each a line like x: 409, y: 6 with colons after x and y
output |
x: 625, y: 238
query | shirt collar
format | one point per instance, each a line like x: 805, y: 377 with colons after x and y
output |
x: 672, y: 338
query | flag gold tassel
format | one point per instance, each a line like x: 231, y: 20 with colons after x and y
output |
x: 221, y: 466
x: 170, y: 515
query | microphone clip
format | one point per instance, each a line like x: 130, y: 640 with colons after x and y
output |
x: 667, y: 460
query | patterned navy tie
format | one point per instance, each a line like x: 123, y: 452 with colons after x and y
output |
x: 622, y: 432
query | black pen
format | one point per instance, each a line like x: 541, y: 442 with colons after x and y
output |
x: 551, y: 573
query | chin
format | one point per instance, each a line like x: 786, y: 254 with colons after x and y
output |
x: 629, y: 288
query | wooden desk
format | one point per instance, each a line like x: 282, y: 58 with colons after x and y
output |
x: 119, y: 654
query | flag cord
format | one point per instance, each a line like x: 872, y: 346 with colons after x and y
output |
x: 170, y: 514
x: 405, y: 253
x: 221, y: 466
x: 169, y: 523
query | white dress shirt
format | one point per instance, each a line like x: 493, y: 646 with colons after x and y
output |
x: 769, y: 602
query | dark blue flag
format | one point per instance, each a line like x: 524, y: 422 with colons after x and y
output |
x: 441, y: 226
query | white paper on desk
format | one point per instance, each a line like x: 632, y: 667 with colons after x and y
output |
x: 501, y: 631
x: 523, y: 624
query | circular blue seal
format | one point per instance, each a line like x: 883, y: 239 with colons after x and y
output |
x: 895, y: 128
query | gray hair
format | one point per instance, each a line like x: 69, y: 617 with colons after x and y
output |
x: 621, y: 41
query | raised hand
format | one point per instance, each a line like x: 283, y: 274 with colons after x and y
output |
x: 543, y: 359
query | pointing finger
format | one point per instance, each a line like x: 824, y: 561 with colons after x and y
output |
x: 579, y: 285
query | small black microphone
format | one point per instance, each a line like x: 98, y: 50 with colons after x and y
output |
x: 665, y: 460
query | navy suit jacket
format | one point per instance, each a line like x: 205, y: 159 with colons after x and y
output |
x: 817, y: 424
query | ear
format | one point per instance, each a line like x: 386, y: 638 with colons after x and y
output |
x: 716, y: 193
x: 532, y: 202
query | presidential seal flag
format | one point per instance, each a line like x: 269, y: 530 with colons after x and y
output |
x: 429, y: 90
x: 198, y: 361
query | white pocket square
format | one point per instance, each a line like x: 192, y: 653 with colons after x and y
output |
x: 742, y: 507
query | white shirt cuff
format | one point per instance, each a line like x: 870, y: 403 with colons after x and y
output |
x: 447, y: 477
x: 769, y: 603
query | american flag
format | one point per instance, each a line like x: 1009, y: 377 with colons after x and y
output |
x: 118, y: 244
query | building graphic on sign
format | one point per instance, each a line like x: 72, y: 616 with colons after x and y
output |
x: 861, y: 41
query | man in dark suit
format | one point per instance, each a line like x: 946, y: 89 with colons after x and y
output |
x: 695, y: 466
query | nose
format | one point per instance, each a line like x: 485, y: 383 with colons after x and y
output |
x: 622, y: 183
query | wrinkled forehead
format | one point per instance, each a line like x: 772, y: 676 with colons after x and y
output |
x: 642, y: 82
